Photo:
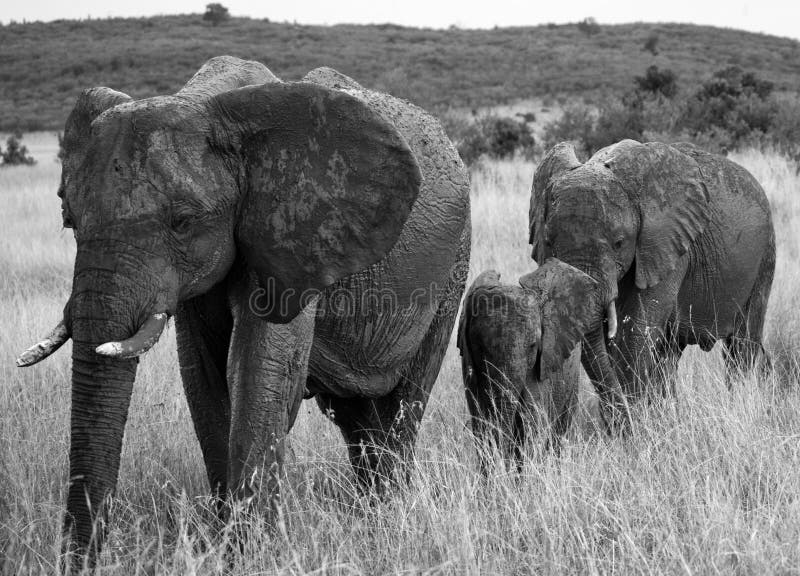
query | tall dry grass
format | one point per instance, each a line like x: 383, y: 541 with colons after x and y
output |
x: 709, y: 484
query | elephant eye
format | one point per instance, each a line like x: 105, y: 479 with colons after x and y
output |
x: 618, y: 244
x: 181, y: 223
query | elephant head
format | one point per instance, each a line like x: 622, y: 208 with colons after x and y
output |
x: 627, y: 215
x: 514, y: 338
x: 296, y: 184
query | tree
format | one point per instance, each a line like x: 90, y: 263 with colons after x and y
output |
x: 657, y: 81
x: 15, y: 153
x: 216, y: 13
x: 651, y: 44
x: 589, y: 26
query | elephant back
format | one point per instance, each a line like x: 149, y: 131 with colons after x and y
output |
x: 426, y: 258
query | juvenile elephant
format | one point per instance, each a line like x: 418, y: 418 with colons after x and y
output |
x: 520, y: 353
x: 682, y: 244
x: 311, y: 238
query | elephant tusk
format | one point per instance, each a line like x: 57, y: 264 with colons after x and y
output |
x: 140, y: 342
x: 611, y: 314
x: 43, y: 349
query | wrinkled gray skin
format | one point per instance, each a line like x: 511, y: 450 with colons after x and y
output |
x: 682, y: 244
x: 520, y: 353
x: 221, y: 205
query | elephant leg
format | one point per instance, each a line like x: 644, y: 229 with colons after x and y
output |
x: 646, y: 351
x: 597, y: 360
x: 267, y: 369
x: 203, y: 325
x: 483, y: 412
x: 665, y: 366
x: 562, y: 409
x: 639, y: 363
x: 745, y: 350
x: 380, y: 432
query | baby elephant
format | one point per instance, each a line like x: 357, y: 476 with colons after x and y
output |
x: 520, y: 353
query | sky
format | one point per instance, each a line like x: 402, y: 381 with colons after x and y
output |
x: 769, y: 16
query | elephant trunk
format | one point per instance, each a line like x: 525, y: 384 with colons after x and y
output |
x: 106, y: 306
x: 597, y: 362
x: 604, y: 271
x: 101, y: 393
x: 595, y: 355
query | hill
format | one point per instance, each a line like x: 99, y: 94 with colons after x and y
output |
x: 46, y: 65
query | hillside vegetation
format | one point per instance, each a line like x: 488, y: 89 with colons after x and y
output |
x: 46, y: 65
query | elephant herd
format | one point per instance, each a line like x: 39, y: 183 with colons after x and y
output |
x: 312, y: 239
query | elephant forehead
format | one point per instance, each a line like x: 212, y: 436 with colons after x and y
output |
x: 596, y: 197
x: 575, y: 204
x: 511, y: 305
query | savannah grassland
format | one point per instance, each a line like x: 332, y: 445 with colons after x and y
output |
x: 707, y: 484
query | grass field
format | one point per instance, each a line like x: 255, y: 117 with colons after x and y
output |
x: 709, y: 484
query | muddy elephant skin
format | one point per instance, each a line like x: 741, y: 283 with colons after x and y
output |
x: 520, y: 354
x: 251, y: 209
x: 683, y: 246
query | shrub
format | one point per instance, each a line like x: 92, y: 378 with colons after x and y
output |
x: 506, y: 136
x: 616, y: 120
x: 785, y: 131
x: 16, y: 154
x: 651, y: 44
x: 492, y: 136
x: 589, y: 26
x: 216, y: 13
x: 591, y: 128
x: 731, y: 109
x: 657, y: 82
x: 575, y: 125
x: 734, y: 105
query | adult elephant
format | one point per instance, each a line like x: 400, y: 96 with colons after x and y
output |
x: 682, y: 244
x: 311, y: 238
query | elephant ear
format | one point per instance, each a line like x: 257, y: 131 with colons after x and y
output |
x: 91, y: 103
x: 561, y: 158
x: 674, y: 204
x: 327, y: 185
x: 569, y: 305
x: 223, y: 73
x: 332, y: 79
x: 77, y: 130
x: 472, y: 302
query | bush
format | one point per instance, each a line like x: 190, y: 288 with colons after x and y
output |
x: 731, y: 109
x: 657, y: 82
x: 216, y: 13
x: 735, y: 106
x: 617, y: 120
x: 575, y: 125
x: 589, y: 26
x: 492, y: 136
x: 651, y: 44
x: 785, y: 131
x: 591, y: 128
x: 16, y: 154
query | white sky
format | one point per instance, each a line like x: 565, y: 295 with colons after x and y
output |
x: 779, y: 17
